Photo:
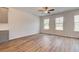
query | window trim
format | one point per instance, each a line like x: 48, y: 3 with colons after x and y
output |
x: 48, y: 24
x: 75, y: 24
x: 59, y: 23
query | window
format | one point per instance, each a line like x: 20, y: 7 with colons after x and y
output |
x: 59, y: 23
x: 46, y: 23
x: 76, y: 23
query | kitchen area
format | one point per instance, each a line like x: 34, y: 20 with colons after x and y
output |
x: 4, y: 28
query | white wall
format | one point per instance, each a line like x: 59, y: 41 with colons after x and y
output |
x: 22, y: 23
x: 68, y: 24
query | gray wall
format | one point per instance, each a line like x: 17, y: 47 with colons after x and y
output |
x: 68, y: 24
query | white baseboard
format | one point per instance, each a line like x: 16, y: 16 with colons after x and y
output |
x: 19, y: 36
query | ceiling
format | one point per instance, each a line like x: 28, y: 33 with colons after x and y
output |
x: 34, y: 10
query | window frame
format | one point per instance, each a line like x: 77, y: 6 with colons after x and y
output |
x: 44, y: 26
x: 75, y: 24
x: 57, y: 23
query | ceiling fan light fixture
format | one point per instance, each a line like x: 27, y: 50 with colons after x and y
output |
x: 46, y: 11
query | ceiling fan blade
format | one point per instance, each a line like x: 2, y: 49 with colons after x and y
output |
x: 48, y: 12
x: 40, y: 10
x: 45, y: 8
x: 51, y: 10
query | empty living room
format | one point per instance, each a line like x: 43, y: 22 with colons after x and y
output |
x: 39, y: 29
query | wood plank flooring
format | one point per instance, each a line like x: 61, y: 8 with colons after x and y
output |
x: 41, y: 43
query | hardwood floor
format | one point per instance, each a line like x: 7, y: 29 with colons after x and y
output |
x: 41, y: 43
